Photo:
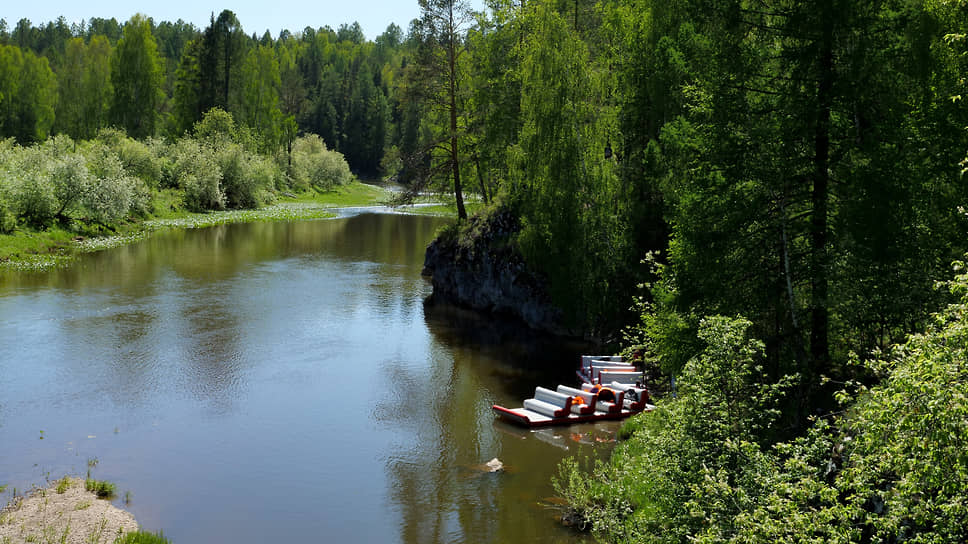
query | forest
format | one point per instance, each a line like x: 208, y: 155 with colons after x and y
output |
x: 767, y: 195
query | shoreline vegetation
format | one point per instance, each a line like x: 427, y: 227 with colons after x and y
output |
x: 37, y: 250
x: 62, y: 198
x: 40, y: 249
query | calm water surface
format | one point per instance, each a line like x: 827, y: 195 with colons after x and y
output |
x: 281, y: 382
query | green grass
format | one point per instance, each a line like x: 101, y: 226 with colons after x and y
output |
x: 63, y: 485
x: 446, y: 210
x: 354, y: 194
x: 30, y: 249
x: 142, y: 537
x: 103, y: 489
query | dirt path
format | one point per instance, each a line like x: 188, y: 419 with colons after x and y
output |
x: 74, y: 516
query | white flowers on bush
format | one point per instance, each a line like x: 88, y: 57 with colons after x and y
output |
x: 114, y: 194
x: 60, y: 179
x: 197, y: 172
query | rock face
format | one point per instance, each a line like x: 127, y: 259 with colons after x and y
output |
x: 479, y: 269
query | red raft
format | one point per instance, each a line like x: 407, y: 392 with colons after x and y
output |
x: 567, y: 405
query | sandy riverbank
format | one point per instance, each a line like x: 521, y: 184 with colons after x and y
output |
x: 73, y: 516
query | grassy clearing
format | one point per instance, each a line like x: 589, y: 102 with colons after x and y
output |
x: 345, y: 196
x: 29, y: 249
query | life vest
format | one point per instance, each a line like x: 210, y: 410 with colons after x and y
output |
x: 605, y: 394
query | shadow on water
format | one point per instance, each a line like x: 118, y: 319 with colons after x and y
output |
x: 437, y: 482
x: 506, y: 348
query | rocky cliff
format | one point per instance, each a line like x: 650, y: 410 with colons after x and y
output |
x: 479, y: 268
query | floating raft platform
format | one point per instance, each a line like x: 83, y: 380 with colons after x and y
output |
x: 620, y: 397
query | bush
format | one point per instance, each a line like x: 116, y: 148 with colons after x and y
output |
x: 666, y: 482
x: 71, y: 179
x: 113, y: 193
x: 111, y: 137
x: 34, y: 199
x: 218, y: 128
x: 267, y: 175
x: 245, y: 179
x: 141, y: 160
x: 202, y: 192
x: 195, y: 170
x: 8, y: 220
x: 314, y: 165
x: 330, y: 169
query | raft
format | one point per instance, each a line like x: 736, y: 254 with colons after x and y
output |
x: 592, y: 402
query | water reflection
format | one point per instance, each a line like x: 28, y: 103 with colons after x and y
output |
x: 437, y: 481
x: 289, y: 376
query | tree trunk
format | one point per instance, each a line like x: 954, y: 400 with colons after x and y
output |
x: 819, y: 334
x: 455, y: 164
x: 480, y: 180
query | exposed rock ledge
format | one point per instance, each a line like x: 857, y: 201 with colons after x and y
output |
x: 479, y: 269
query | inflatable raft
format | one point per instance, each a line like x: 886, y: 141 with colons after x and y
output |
x: 619, y: 397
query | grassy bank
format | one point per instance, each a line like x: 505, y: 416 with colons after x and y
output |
x: 37, y: 249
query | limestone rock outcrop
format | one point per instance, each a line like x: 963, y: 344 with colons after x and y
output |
x: 480, y: 269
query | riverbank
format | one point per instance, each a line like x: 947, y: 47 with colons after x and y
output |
x: 64, y: 512
x: 33, y: 249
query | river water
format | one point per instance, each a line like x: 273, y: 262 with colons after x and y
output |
x: 282, y: 382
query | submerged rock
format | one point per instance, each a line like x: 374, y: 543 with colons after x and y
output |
x: 494, y: 465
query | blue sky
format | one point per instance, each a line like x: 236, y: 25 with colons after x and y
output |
x: 373, y: 15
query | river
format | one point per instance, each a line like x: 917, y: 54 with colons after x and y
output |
x: 282, y: 382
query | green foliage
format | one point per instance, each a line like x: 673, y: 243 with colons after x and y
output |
x: 197, y: 172
x: 32, y: 195
x: 220, y: 57
x: 186, y: 104
x: 890, y: 467
x: 103, y: 489
x: 8, y: 219
x: 84, y: 86
x: 217, y: 128
x: 63, y: 485
x: 71, y: 178
x: 777, y: 137
x: 140, y: 160
x: 665, y: 482
x: 245, y: 181
x: 906, y: 436
x: 115, y: 193
x: 568, y: 194
x: 315, y: 166
x: 142, y: 537
x: 217, y: 168
x: 260, y: 96
x: 28, y: 94
x: 136, y: 75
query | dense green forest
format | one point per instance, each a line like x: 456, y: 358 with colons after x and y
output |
x: 794, y: 166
